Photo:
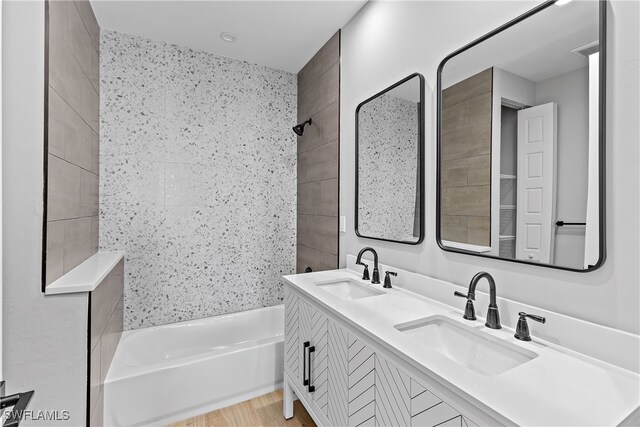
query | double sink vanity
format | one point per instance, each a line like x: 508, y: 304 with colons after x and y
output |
x: 359, y: 354
x: 520, y: 177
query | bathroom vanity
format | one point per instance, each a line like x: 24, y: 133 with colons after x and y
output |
x: 359, y: 354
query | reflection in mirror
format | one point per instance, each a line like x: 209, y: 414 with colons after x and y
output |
x: 519, y: 141
x: 389, y: 169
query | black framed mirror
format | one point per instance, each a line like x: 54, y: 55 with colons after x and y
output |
x: 521, y: 140
x: 389, y: 196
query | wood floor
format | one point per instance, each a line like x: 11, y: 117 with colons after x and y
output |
x: 265, y: 411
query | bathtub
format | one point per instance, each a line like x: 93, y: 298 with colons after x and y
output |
x: 171, y: 372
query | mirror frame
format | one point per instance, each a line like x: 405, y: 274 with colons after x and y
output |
x: 420, y: 159
x: 602, y: 31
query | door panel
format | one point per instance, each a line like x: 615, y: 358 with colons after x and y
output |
x: 536, y: 188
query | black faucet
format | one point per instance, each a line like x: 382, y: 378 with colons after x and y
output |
x: 376, y: 274
x: 522, y: 329
x: 493, y: 317
x: 387, y: 278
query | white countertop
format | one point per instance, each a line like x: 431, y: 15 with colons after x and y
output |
x: 87, y: 276
x: 559, y: 387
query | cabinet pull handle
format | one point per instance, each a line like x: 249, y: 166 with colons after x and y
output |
x: 312, y: 349
x: 305, y: 346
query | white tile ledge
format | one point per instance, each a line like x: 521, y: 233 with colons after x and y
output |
x: 87, y: 276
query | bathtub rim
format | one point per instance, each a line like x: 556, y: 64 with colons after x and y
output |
x: 119, y: 371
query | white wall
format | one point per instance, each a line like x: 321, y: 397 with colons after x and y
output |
x: 387, y: 41
x: 45, y: 338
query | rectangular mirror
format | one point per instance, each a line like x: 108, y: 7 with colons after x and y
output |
x: 390, y: 163
x: 521, y: 140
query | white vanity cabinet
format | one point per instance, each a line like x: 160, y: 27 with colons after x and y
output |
x: 306, y: 330
x: 352, y: 383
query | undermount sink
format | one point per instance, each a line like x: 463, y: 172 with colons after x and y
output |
x: 470, y: 348
x: 348, y: 289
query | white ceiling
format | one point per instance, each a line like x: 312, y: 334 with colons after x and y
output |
x: 278, y: 34
x: 537, y: 49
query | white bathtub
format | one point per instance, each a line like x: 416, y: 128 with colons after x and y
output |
x: 171, y: 372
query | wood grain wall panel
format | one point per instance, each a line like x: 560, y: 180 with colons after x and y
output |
x: 318, y: 164
x: 106, y: 311
x: 316, y: 259
x: 318, y: 159
x: 466, y: 160
x: 319, y: 232
x: 475, y: 85
x: 470, y: 201
x: 318, y: 198
x: 68, y: 79
x: 479, y: 228
x: 480, y: 110
x: 454, y: 228
x: 72, y: 137
x: 82, y: 47
x: 330, y: 52
x: 77, y: 242
x: 466, y: 143
x: 55, y: 250
x: 90, y: 22
x: 63, y: 196
x: 324, y: 129
x: 479, y: 170
x: 454, y: 173
x: 455, y: 118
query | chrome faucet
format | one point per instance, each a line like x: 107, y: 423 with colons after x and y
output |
x: 493, y: 316
x: 376, y: 274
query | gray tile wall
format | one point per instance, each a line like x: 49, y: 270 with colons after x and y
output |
x: 72, y: 175
x: 106, y: 311
x: 466, y: 160
x: 318, y: 159
x: 198, y: 179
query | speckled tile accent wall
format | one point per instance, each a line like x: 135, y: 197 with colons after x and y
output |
x: 388, y: 165
x: 198, y: 179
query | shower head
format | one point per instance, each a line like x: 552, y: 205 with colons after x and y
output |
x: 299, y: 129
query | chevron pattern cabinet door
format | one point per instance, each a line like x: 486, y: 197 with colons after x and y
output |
x: 393, y: 394
x: 338, y: 406
x: 292, y: 342
x: 313, y: 328
x: 361, y: 383
x: 427, y: 410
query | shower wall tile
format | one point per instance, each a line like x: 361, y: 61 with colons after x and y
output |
x: 132, y: 181
x: 198, y: 179
x: 191, y: 184
x: 137, y: 229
